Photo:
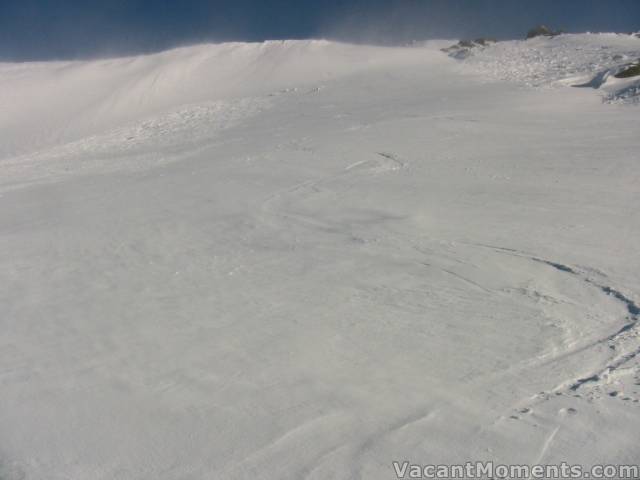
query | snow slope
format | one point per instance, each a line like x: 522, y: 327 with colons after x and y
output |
x: 308, y: 259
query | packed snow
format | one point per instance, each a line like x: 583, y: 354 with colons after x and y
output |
x: 308, y: 259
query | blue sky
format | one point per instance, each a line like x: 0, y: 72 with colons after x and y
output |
x: 39, y: 29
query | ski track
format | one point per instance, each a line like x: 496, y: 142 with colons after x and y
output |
x: 385, y: 163
x: 613, y: 339
x: 545, y: 448
x: 630, y: 330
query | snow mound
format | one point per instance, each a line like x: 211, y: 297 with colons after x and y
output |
x: 45, y: 104
x: 59, y: 118
x: 620, y: 84
x: 573, y: 59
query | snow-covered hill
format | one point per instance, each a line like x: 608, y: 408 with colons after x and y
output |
x: 45, y: 104
x: 64, y: 116
x: 308, y: 259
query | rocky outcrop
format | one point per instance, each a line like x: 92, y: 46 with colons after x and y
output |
x: 631, y: 70
x: 542, y: 31
x: 627, y: 87
x: 484, y: 41
x: 463, y: 48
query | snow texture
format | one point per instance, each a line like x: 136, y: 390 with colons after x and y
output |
x: 306, y: 259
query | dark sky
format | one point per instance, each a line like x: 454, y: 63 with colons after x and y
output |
x: 40, y: 29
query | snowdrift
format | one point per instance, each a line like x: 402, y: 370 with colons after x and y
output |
x: 48, y: 103
x: 620, y: 83
x: 590, y: 60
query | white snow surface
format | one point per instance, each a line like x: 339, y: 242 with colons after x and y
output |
x: 588, y: 60
x: 308, y: 259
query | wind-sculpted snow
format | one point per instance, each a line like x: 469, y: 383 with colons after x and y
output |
x: 53, y: 112
x: 138, y: 145
x: 307, y: 260
x: 44, y: 104
x: 580, y: 60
